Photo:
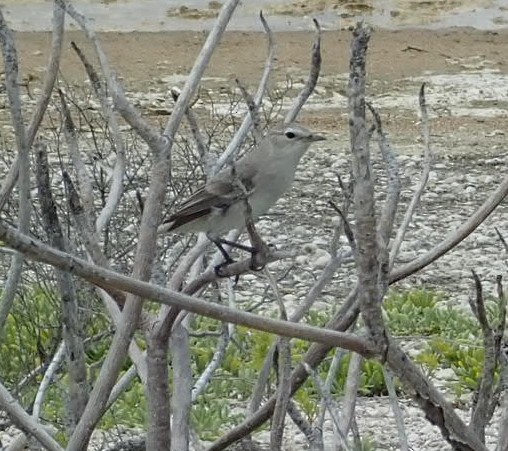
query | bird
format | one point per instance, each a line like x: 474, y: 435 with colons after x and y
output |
x: 261, y: 176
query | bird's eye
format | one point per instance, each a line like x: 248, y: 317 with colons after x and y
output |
x: 290, y: 135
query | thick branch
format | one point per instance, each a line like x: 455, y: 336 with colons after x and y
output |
x: 106, y: 278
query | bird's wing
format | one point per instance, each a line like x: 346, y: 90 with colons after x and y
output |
x: 219, y: 193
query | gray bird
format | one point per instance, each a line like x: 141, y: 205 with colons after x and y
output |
x: 263, y: 176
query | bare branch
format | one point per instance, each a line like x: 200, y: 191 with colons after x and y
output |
x: 78, y: 389
x: 283, y: 372
x: 88, y: 235
x: 367, y: 265
x: 479, y: 415
x: 10, y: 58
x: 239, y: 138
x: 47, y: 379
x: 350, y: 394
x: 310, y: 84
x: 151, y: 218
x: 43, y: 100
x: 330, y: 404
x: 311, y: 434
x: 502, y: 239
x: 415, y: 200
x: 84, y: 178
x: 253, y: 111
x: 122, y: 385
x: 455, y: 237
x: 26, y: 423
x: 105, y: 278
x: 148, y: 133
x: 194, y: 126
x: 348, y: 231
x: 218, y: 357
x: 342, y: 320
x: 397, y: 412
x: 437, y: 409
x: 387, y: 217
x: 116, y: 188
x: 181, y: 400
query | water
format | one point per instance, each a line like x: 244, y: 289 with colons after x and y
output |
x: 283, y: 15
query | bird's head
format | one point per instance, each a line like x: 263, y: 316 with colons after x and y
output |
x: 292, y: 137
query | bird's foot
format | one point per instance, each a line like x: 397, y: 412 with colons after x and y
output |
x: 255, y: 262
x: 219, y: 269
x: 259, y: 257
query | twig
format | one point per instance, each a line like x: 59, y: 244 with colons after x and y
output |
x: 42, y: 102
x: 148, y: 133
x: 389, y: 210
x: 311, y: 434
x: 501, y: 238
x: 75, y: 352
x: 122, y: 385
x: 239, y: 138
x: 332, y: 408
x: 116, y: 188
x: 310, y: 84
x: 350, y: 394
x: 454, y: 238
x: 253, y: 111
x: 28, y: 424
x: 194, y: 126
x: 260, y: 388
x: 284, y: 371
x: 47, y: 379
x: 415, y: 200
x: 397, y: 412
x: 479, y: 415
x: 10, y: 58
x: 84, y: 178
x: 216, y: 360
x: 331, y: 376
x: 348, y: 231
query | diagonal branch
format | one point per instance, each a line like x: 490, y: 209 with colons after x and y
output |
x: 10, y: 58
x: 43, y: 100
x: 75, y: 351
x: 310, y: 84
x: 106, y: 278
x: 116, y: 188
x: 454, y: 238
x: 239, y: 138
x: 415, y: 200
x: 27, y: 423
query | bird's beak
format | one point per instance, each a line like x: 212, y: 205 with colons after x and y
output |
x: 314, y: 138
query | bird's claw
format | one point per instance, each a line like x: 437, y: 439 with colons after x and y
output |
x: 258, y: 259
x: 218, y: 269
x: 255, y: 265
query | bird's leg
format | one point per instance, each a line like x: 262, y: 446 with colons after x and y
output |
x: 242, y: 247
x: 259, y: 250
x: 227, y: 258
